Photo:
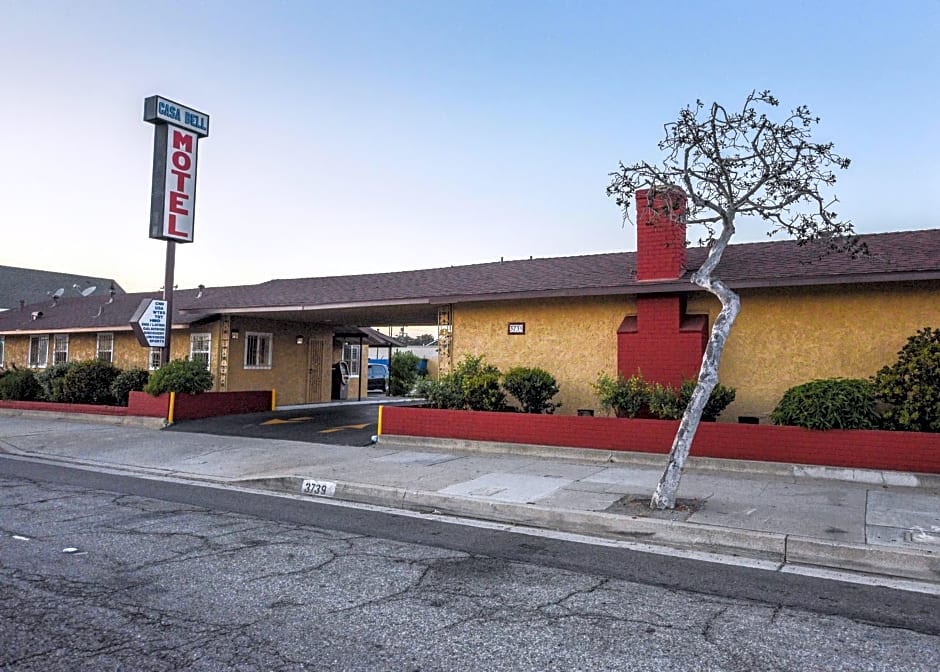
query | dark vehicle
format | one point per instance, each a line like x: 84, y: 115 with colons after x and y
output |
x: 378, y: 378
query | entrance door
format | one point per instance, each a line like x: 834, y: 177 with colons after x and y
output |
x: 315, y: 371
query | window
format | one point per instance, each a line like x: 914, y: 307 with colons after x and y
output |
x: 105, y: 350
x: 257, y: 351
x: 38, y: 351
x: 60, y: 349
x: 351, y: 356
x: 155, y: 358
x: 1, y: 351
x: 199, y: 347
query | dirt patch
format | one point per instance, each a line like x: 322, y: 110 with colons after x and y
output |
x: 638, y: 506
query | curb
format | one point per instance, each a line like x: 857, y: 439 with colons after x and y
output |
x: 704, y: 464
x: 780, y: 548
x: 907, y: 563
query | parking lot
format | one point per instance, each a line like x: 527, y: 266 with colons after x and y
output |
x: 344, y: 423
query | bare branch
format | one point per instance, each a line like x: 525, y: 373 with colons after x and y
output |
x: 731, y: 163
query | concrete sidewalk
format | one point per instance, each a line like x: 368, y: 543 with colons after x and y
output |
x: 885, y: 523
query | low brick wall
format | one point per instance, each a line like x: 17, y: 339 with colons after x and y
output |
x: 89, y: 409
x: 141, y: 404
x: 860, y: 449
x: 212, y: 404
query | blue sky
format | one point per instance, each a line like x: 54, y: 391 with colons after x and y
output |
x: 363, y: 136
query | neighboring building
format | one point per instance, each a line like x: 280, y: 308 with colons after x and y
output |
x: 26, y: 286
x: 427, y: 354
x: 804, y: 316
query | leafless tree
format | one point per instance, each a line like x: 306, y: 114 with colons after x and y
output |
x: 731, y: 164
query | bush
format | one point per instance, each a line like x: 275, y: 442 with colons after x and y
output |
x: 88, y: 383
x: 180, y: 375
x: 479, y: 383
x: 911, y: 386
x: 669, y: 403
x: 19, y: 385
x: 834, y: 403
x: 443, y: 393
x: 534, y: 388
x: 402, y: 373
x: 132, y: 380
x: 51, y: 380
x: 472, y: 385
x: 625, y: 396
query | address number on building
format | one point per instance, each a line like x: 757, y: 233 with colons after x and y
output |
x: 318, y: 488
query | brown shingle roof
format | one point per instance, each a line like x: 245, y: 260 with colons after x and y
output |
x: 90, y: 313
x: 32, y: 285
x: 895, y: 256
x: 778, y: 263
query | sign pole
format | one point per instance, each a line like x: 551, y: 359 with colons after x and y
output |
x: 168, y: 297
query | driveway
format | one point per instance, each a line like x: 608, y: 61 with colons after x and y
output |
x: 345, y: 424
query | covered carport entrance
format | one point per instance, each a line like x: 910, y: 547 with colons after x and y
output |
x: 352, y: 345
x: 293, y: 349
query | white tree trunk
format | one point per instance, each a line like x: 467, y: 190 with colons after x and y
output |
x: 664, y: 497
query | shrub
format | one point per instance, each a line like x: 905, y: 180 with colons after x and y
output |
x: 664, y: 402
x: 132, y: 380
x: 180, y: 375
x: 834, y: 403
x: 51, y: 379
x: 443, y: 393
x: 472, y: 385
x: 479, y: 383
x: 402, y: 373
x: 625, y: 396
x: 19, y: 385
x: 88, y: 383
x: 534, y: 388
x: 911, y: 386
x: 669, y: 403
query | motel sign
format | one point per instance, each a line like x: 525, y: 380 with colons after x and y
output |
x: 177, y: 130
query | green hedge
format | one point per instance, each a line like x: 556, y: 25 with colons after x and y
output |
x: 19, y: 385
x: 89, y: 383
x: 910, y: 388
x: 180, y: 375
x: 833, y: 403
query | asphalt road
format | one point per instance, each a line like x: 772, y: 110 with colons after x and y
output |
x: 862, y: 603
x: 96, y: 577
x: 343, y: 424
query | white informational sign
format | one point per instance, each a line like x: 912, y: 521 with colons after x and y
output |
x: 149, y: 323
x: 318, y: 488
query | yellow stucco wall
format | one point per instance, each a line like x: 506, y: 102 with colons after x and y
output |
x: 573, y: 339
x: 291, y: 363
x: 782, y: 337
x: 127, y: 353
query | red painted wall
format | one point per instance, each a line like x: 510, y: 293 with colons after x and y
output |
x: 662, y: 342
x: 188, y: 406
x: 64, y: 408
x: 143, y: 404
x: 901, y: 451
x: 211, y: 404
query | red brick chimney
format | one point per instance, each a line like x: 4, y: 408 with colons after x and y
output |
x: 660, y: 234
